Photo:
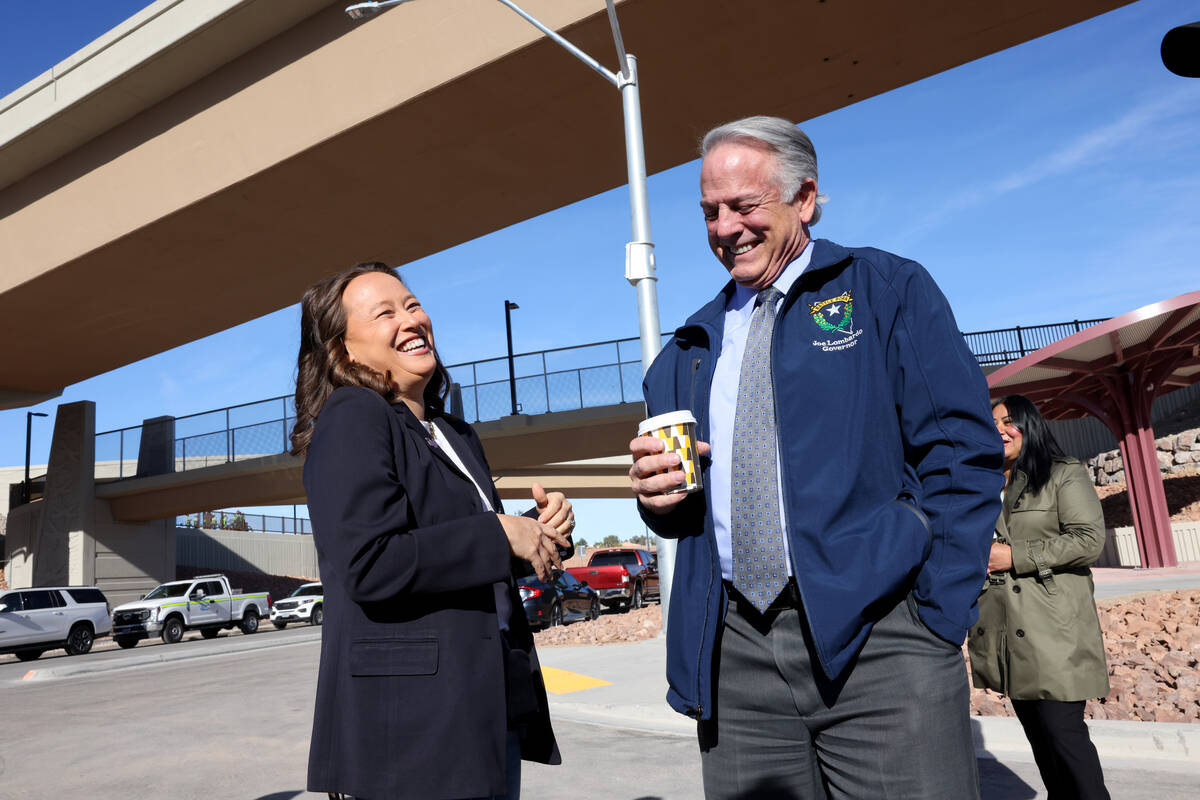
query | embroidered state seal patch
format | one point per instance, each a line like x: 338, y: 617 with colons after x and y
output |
x: 833, y: 314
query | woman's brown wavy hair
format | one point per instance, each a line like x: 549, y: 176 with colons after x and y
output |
x: 323, y: 363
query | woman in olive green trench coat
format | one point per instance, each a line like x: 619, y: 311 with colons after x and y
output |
x: 1038, y: 638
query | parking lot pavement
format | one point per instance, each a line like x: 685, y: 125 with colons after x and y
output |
x: 230, y: 719
x: 106, y: 655
x: 198, y: 719
x: 105, y: 644
x: 234, y: 723
x: 600, y: 761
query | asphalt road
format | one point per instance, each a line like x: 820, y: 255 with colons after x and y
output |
x: 229, y: 719
x: 224, y: 719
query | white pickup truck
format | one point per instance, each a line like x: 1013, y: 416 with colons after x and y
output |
x: 205, y: 603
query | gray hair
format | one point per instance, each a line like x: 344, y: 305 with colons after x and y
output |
x: 795, y: 157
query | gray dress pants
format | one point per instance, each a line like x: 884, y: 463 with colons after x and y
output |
x: 896, y: 725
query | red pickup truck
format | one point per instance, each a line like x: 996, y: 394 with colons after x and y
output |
x: 624, y: 577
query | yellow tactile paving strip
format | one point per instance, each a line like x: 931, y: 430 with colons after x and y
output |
x: 560, y: 681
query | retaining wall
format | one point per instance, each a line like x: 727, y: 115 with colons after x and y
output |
x: 271, y: 553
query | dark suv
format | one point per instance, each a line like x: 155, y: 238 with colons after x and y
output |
x: 564, y: 599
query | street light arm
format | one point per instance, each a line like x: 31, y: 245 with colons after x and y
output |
x: 367, y: 9
x: 622, y: 58
x: 566, y: 45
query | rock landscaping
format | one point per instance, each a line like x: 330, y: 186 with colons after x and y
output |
x: 612, y: 627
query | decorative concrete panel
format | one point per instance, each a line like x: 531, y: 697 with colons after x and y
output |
x: 1187, y: 540
x: 1120, y: 546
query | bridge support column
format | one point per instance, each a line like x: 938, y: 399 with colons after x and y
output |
x: 69, y: 538
x: 58, y: 548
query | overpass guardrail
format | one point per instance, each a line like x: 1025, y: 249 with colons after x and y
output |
x: 559, y: 379
x: 239, y: 521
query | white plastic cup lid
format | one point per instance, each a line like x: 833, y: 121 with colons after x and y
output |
x: 664, y: 420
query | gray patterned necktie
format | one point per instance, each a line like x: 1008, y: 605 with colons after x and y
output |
x: 759, y: 566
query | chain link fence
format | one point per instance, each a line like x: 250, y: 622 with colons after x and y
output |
x: 560, y: 379
x: 236, y: 433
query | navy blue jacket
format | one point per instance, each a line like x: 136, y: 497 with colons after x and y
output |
x: 415, y: 688
x: 890, y: 462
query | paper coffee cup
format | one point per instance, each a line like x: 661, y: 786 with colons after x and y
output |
x: 677, y: 430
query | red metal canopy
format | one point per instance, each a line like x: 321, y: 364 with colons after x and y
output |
x: 1113, y: 371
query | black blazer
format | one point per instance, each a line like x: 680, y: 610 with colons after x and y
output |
x: 411, y: 695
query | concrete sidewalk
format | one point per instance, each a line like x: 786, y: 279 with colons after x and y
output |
x: 633, y: 697
x: 1121, y: 581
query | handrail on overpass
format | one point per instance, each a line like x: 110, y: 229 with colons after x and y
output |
x: 239, y: 521
x: 557, y: 379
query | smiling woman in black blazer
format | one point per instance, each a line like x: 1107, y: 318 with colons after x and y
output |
x: 429, y: 686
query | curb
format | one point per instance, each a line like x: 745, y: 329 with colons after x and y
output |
x: 1168, y: 744
x: 58, y: 672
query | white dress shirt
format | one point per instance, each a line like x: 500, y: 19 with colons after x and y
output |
x: 722, y: 406
x: 440, y: 441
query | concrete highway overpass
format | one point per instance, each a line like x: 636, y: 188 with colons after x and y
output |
x: 521, y: 449
x: 569, y: 439
x: 236, y: 150
x: 185, y: 149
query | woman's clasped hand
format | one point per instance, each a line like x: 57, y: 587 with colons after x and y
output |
x: 532, y: 541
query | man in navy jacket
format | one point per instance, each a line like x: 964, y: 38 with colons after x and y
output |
x: 850, y: 683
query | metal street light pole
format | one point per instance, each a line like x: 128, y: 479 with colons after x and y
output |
x: 639, y: 253
x: 26, y: 492
x: 509, y: 306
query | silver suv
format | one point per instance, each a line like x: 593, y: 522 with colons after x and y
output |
x: 33, y: 621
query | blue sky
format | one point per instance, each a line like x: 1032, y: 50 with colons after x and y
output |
x: 1059, y: 179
